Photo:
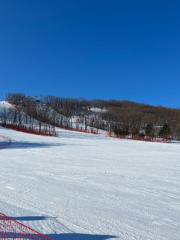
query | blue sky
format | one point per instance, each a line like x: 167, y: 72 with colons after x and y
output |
x: 108, y: 49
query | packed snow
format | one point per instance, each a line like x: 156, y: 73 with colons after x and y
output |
x: 84, y: 186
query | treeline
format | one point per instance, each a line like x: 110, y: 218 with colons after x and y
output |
x: 28, y: 115
x: 120, y: 117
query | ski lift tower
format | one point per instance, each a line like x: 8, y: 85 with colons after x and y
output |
x: 35, y: 97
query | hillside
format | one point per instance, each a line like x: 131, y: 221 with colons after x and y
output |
x: 117, y: 117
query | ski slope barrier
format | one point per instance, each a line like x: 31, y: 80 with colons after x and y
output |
x: 6, y: 140
x: 11, y: 229
x: 25, y: 129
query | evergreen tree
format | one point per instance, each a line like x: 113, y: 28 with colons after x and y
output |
x: 117, y: 130
x: 149, y: 130
x: 165, y: 131
x: 134, y: 131
x: 141, y: 135
x: 125, y: 131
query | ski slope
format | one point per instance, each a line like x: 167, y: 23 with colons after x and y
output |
x: 83, y: 186
x: 4, y: 105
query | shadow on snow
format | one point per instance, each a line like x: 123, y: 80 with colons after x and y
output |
x: 33, y: 145
x: 60, y: 236
x: 78, y: 236
x: 31, y: 218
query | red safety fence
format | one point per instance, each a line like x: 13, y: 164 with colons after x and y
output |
x: 112, y: 135
x: 7, y: 141
x: 11, y: 229
x: 77, y: 129
x: 149, y: 139
x: 67, y: 127
x: 25, y: 129
x: 10, y: 103
x: 135, y: 137
x: 28, y: 130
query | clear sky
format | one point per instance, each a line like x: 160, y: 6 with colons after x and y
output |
x: 108, y: 49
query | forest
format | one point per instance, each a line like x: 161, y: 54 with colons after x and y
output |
x: 118, y: 117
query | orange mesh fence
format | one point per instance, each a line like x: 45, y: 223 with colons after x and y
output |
x: 6, y: 140
x: 11, y: 229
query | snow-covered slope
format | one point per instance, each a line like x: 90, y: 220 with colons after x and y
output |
x: 81, y: 186
x: 98, y: 110
x: 3, y: 105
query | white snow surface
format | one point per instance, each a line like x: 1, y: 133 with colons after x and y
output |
x: 98, y: 110
x: 3, y: 105
x: 83, y: 186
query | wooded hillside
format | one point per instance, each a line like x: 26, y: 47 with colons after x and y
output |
x: 121, y: 117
